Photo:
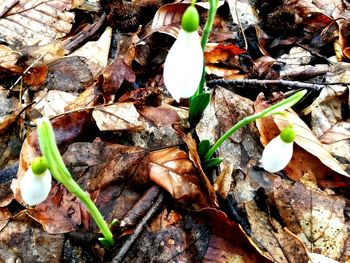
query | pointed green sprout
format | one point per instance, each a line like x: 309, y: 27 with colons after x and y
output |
x: 274, y: 109
x: 60, y: 172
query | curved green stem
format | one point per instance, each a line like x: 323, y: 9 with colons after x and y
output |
x: 59, y: 171
x: 209, y: 24
x: 213, y: 6
x: 273, y: 109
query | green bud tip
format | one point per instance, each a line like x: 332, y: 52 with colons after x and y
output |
x: 39, y: 165
x: 288, y: 134
x: 190, y: 19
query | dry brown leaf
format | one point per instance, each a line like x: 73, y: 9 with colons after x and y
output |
x: 8, y: 57
x: 53, y: 102
x: 168, y: 17
x: 114, y: 75
x: 118, y: 117
x: 38, y: 22
x: 276, y: 243
x: 160, y: 116
x: 23, y: 240
x: 68, y: 74
x: 5, y: 216
x: 222, y: 53
x: 172, y: 170
x: 61, y: 212
x: 316, y: 217
x: 96, y: 52
x: 194, y: 157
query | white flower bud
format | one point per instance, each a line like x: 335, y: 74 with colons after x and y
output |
x: 276, y: 155
x: 184, y: 65
x: 35, y: 188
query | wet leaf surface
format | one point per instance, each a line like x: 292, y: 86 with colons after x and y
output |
x: 98, y: 72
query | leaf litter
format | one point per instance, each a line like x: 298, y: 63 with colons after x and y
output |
x: 126, y: 142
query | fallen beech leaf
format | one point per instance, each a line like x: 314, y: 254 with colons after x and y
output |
x: 53, y: 102
x: 142, y: 96
x: 47, y: 22
x: 23, y: 240
x: 8, y: 57
x: 269, y: 235
x: 114, y: 75
x: 228, y: 242
x: 96, y: 51
x: 59, y: 213
x: 68, y: 74
x: 36, y: 76
x: 316, y: 217
x: 161, y: 115
x: 194, y: 157
x: 172, y: 170
x: 114, y: 175
x: 220, y: 53
x: 168, y: 17
x: 118, y: 117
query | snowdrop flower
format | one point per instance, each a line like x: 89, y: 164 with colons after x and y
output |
x: 278, y: 152
x: 35, y: 184
x: 184, y: 64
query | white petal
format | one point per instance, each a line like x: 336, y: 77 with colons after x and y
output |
x: 35, y: 188
x: 276, y: 155
x: 184, y: 65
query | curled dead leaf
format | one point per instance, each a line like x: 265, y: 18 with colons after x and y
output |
x: 172, y: 170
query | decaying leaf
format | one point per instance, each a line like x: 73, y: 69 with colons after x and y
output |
x: 53, y: 102
x: 23, y: 240
x: 114, y: 75
x: 118, y: 117
x: 68, y: 74
x: 8, y: 57
x: 276, y: 243
x: 172, y: 170
x: 28, y: 23
x: 96, y: 51
x: 61, y: 212
x: 316, y: 217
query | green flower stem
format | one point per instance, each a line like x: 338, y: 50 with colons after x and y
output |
x: 273, y: 109
x: 60, y: 172
x: 213, y: 6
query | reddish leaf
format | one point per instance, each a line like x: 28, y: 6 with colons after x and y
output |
x: 114, y: 75
x: 160, y: 116
x: 60, y: 213
x: 36, y: 76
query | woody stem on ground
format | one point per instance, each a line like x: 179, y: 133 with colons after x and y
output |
x: 59, y: 171
x: 273, y: 109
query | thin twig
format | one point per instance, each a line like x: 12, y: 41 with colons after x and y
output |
x: 139, y: 229
x: 241, y: 27
x: 262, y: 82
